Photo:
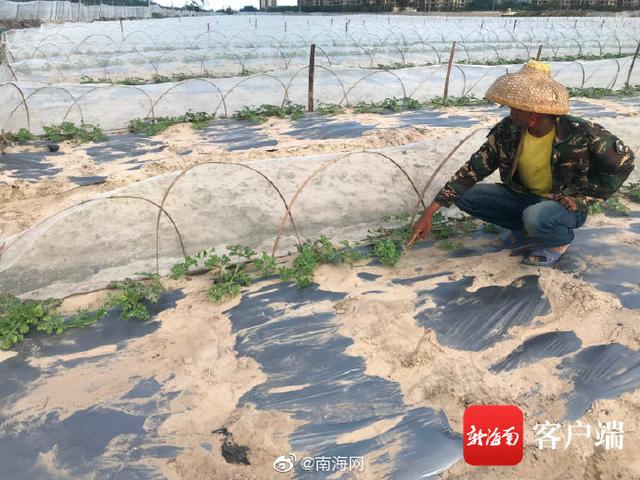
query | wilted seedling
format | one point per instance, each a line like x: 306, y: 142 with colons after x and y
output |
x: 400, y: 234
x: 633, y: 191
x: 84, y: 318
x: 489, y: 228
x: 448, y: 245
x: 466, y: 226
x: 613, y: 203
x: 441, y: 227
x: 444, y: 228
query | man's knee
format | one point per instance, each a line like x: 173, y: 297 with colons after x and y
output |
x: 541, y: 217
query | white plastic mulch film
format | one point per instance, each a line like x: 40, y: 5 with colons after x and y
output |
x: 62, y: 72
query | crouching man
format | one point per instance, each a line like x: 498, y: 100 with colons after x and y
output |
x: 552, y: 167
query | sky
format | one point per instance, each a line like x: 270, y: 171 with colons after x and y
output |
x: 218, y: 4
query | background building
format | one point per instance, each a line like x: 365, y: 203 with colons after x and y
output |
x: 409, y: 5
x: 265, y: 4
x: 335, y: 3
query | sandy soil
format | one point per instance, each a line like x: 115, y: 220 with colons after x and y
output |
x: 431, y: 374
x: 197, y: 358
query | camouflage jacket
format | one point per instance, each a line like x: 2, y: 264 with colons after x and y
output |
x: 587, y: 162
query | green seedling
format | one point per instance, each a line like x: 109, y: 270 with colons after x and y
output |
x: 387, y: 252
x: 312, y: 254
x: 19, y: 317
x: 557, y: 58
x: 596, y: 92
x: 595, y: 208
x: 22, y: 136
x: 229, y: 271
x: 133, y: 296
x: 265, y: 265
x: 388, y: 242
x: 393, y: 66
x: 304, y: 266
x: 465, y: 101
x: 388, y: 104
x: 263, y: 112
x: 87, y: 79
x: 69, y: 131
x: 328, y: 109
x: 156, y: 125
x: 131, y: 81
x: 181, y: 269
x: 155, y: 78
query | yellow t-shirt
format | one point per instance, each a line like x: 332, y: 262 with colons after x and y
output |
x: 534, y: 163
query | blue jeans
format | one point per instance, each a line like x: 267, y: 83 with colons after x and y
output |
x: 550, y: 223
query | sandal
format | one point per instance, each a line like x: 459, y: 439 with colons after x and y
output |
x: 550, y: 257
x: 515, y: 240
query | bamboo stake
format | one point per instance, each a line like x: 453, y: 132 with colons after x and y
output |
x: 312, y: 68
x: 446, y: 82
x: 633, y: 62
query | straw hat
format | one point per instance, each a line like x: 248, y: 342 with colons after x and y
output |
x: 532, y: 89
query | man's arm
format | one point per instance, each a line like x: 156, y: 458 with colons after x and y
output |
x: 482, y: 164
x: 611, y: 164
